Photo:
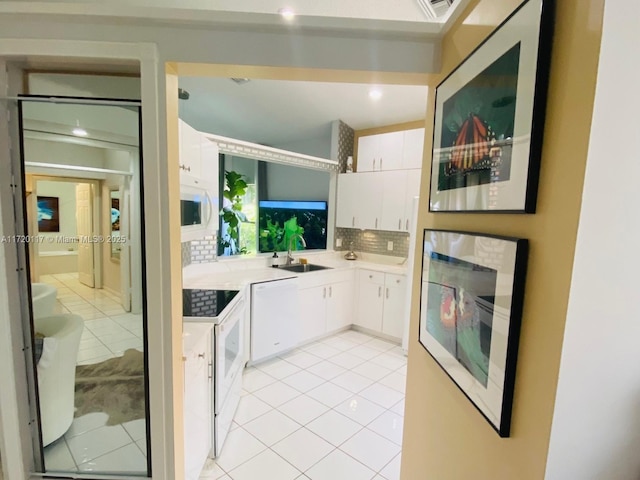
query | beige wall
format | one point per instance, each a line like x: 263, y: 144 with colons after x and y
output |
x: 445, y: 438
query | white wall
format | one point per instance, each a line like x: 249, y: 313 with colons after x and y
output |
x: 293, y: 183
x: 44, y: 151
x: 596, y: 425
x: 317, y: 147
x: 84, y: 85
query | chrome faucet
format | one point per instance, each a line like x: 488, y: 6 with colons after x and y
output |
x: 289, y: 255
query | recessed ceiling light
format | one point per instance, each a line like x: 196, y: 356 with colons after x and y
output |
x: 375, y: 94
x: 287, y: 13
x: 79, y: 132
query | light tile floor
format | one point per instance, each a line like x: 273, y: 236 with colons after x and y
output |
x: 332, y: 410
x: 90, y: 445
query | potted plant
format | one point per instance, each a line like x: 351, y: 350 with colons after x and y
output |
x: 232, y: 216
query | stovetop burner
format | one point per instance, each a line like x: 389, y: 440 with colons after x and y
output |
x: 205, y: 303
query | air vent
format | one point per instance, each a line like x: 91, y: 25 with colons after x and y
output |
x: 434, y: 9
x: 240, y: 81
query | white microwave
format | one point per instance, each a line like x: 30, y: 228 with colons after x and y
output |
x: 198, y: 208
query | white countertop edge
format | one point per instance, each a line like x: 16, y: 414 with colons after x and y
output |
x: 238, y: 273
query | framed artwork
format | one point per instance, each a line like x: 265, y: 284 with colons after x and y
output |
x: 471, y: 298
x: 115, y: 214
x: 489, y: 119
x: 48, y: 214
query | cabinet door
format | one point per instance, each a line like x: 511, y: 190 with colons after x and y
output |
x: 312, y: 308
x: 390, y: 151
x: 369, y: 201
x: 394, y: 197
x: 411, y: 190
x: 339, y: 305
x: 348, y: 185
x: 209, y: 169
x: 190, y: 150
x: 367, y: 153
x: 412, y: 150
x: 370, y: 300
x: 197, y: 408
x: 394, y: 305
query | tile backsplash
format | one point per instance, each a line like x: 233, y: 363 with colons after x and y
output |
x: 204, y: 250
x: 374, y: 241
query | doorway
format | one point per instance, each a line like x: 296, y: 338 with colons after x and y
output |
x: 81, y: 168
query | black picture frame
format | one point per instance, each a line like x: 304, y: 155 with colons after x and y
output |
x: 489, y: 119
x: 48, y: 214
x: 471, y: 299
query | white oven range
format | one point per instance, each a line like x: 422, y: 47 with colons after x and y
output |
x: 226, y: 310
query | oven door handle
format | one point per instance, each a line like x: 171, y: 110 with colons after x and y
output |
x: 206, y: 192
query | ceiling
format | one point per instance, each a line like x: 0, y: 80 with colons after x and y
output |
x: 417, y: 17
x: 277, y: 112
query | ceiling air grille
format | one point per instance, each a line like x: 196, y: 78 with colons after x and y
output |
x: 435, y: 8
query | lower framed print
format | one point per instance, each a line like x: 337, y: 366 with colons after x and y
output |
x: 471, y: 298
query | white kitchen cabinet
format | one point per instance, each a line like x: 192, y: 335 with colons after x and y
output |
x: 359, y: 200
x: 369, y: 201
x: 381, y: 300
x: 340, y: 305
x: 380, y: 152
x: 313, y: 312
x: 412, y: 150
x: 399, y: 188
x: 190, y: 150
x: 370, y: 300
x: 394, y: 199
x: 198, y: 370
x: 394, y: 305
x: 326, y: 303
x: 348, y: 203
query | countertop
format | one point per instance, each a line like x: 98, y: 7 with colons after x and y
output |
x: 236, y: 273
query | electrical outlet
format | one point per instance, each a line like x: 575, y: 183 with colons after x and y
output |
x: 338, y: 242
x: 390, y: 246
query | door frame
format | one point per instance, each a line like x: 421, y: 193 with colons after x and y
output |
x: 163, y: 347
x: 96, y: 188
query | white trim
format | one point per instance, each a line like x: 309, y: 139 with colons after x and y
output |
x: 157, y: 240
x: 80, y: 168
x: 241, y: 148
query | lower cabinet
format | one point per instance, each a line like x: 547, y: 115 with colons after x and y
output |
x: 197, y: 400
x: 325, y: 304
x: 381, y: 302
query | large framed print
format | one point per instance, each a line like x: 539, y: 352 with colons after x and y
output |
x: 489, y: 119
x: 471, y: 298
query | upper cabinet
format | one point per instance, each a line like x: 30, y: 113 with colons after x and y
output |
x: 360, y: 201
x: 412, y: 149
x: 190, y: 150
x: 390, y: 151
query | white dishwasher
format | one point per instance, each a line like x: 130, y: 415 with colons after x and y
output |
x: 274, y: 318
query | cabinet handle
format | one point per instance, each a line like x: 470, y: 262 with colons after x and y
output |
x: 387, y: 294
x: 380, y: 163
x: 324, y: 292
x: 376, y: 223
x: 370, y: 276
x: 353, y: 221
x: 210, y: 372
x: 399, y: 223
x: 379, y: 291
x: 407, y: 225
x: 374, y: 163
x: 201, y: 355
x: 330, y: 292
x: 185, y: 168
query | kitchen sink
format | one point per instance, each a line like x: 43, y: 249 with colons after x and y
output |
x: 300, y: 268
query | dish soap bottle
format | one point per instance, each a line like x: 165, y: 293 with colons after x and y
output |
x: 275, y: 260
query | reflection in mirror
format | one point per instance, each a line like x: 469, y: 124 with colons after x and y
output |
x: 115, y: 214
x: 83, y: 214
